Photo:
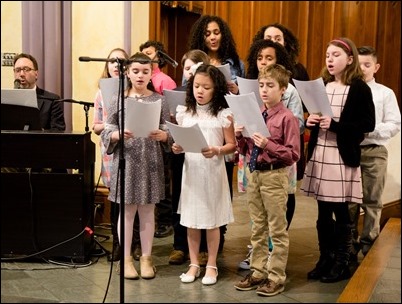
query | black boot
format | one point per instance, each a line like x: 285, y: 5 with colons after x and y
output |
x: 341, y: 271
x: 323, y: 266
x: 114, y: 216
x: 325, y: 232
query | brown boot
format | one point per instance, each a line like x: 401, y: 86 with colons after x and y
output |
x: 147, y: 267
x: 129, y: 269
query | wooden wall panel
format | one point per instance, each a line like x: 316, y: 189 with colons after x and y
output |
x: 315, y: 23
x: 389, y: 46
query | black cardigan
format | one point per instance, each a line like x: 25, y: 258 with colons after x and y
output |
x: 357, y: 118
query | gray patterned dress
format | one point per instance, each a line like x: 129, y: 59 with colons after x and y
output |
x: 144, y: 176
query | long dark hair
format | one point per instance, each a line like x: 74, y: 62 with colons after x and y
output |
x: 218, y: 101
x: 292, y: 44
x: 282, y: 57
x: 227, y: 49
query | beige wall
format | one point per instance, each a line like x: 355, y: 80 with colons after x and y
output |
x: 97, y: 28
x: 11, y: 41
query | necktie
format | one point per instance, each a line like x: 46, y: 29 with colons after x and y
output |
x: 256, y: 150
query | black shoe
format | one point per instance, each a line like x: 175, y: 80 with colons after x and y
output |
x: 338, y: 273
x: 115, y: 254
x: 322, y: 267
x: 163, y: 231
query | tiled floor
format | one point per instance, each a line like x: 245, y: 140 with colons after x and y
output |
x: 23, y: 282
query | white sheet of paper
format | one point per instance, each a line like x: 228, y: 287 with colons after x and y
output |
x: 19, y: 97
x: 247, y: 113
x: 314, y: 96
x: 225, y: 69
x: 142, y: 118
x: 174, y: 98
x: 109, y: 87
x: 248, y: 86
x: 190, y: 139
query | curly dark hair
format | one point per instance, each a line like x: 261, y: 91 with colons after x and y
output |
x: 218, y: 101
x: 292, y: 44
x: 282, y: 57
x: 227, y: 49
x: 158, y: 47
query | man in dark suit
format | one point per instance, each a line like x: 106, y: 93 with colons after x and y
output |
x: 25, y: 76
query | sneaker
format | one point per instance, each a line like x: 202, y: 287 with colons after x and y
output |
x: 177, y: 257
x: 270, y: 288
x: 245, y: 264
x: 248, y: 283
x: 203, y: 258
x: 163, y: 231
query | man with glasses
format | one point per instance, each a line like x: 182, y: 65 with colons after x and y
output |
x: 25, y: 77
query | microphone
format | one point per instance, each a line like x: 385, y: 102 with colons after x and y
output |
x: 169, y: 59
x: 87, y: 59
x: 17, y: 84
x: 87, y: 104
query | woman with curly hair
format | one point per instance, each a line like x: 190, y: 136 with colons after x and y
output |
x: 212, y: 35
x: 282, y: 35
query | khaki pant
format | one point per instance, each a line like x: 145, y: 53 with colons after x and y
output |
x: 267, y: 194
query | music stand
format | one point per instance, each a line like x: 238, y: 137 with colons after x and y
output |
x: 19, y: 110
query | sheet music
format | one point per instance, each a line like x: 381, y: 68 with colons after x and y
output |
x: 248, y: 86
x: 109, y: 87
x: 225, y: 69
x: 19, y: 97
x: 190, y: 139
x: 174, y: 98
x: 247, y: 113
x: 142, y: 118
x: 314, y: 96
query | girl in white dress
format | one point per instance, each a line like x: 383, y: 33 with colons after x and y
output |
x: 205, y: 201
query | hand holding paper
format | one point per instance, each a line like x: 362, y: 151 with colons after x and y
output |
x: 247, y: 113
x: 190, y: 139
x: 314, y: 96
x: 142, y: 118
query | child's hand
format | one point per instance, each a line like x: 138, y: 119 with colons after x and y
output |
x: 158, y: 135
x: 259, y: 140
x: 177, y: 149
x: 325, y: 122
x: 210, y: 152
x: 233, y: 88
x: 313, y: 119
x: 238, y: 129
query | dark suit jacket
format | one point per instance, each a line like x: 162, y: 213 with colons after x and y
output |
x: 51, y: 112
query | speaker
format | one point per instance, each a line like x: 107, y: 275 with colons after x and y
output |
x: 46, y: 215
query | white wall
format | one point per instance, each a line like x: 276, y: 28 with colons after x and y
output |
x: 392, y: 191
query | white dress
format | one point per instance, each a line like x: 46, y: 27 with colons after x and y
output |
x: 205, y: 201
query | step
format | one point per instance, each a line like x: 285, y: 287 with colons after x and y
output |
x: 363, y: 282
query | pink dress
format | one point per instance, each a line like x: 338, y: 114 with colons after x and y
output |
x: 326, y: 177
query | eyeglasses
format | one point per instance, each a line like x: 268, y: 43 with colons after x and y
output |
x: 25, y: 69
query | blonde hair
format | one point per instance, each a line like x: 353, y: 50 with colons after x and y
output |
x: 277, y: 72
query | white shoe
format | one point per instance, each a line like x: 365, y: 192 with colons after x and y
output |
x: 210, y: 280
x: 245, y: 264
x: 186, y: 278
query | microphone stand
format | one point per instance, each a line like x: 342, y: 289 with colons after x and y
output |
x: 122, y: 162
x: 87, y: 105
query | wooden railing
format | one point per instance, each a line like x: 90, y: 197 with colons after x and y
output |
x: 363, y: 282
